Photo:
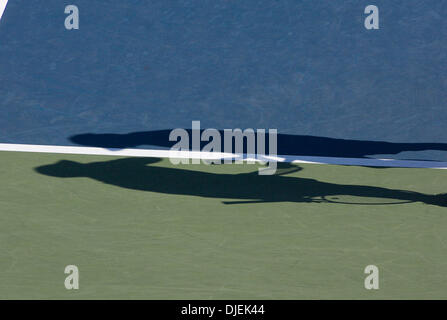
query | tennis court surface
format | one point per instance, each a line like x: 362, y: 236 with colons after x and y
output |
x: 82, y: 109
x: 144, y: 228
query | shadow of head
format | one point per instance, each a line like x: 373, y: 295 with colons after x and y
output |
x: 121, y: 141
x: 102, y: 140
x: 72, y: 169
x: 62, y: 169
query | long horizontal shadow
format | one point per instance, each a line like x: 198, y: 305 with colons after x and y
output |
x: 139, y: 174
x: 299, y: 145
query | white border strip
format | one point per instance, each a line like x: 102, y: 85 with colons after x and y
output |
x: 3, y: 4
x: 213, y: 155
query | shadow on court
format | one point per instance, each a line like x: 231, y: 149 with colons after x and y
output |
x: 299, y: 145
x: 138, y: 174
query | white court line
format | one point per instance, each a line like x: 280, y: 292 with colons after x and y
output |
x: 3, y: 4
x: 210, y: 155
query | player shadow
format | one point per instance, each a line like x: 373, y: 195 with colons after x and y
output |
x: 294, y: 145
x: 140, y: 174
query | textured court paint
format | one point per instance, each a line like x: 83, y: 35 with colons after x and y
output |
x: 153, y: 245
x: 211, y: 155
x: 3, y: 4
x: 302, y: 67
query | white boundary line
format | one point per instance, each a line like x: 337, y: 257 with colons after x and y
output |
x: 3, y: 4
x: 210, y: 155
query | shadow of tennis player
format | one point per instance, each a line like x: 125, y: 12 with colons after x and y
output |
x: 293, y: 145
x: 138, y: 174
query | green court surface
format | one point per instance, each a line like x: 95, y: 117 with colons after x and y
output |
x: 140, y: 228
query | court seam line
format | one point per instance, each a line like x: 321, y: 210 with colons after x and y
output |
x: 156, y: 153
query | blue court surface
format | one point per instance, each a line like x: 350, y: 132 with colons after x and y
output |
x: 137, y: 69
